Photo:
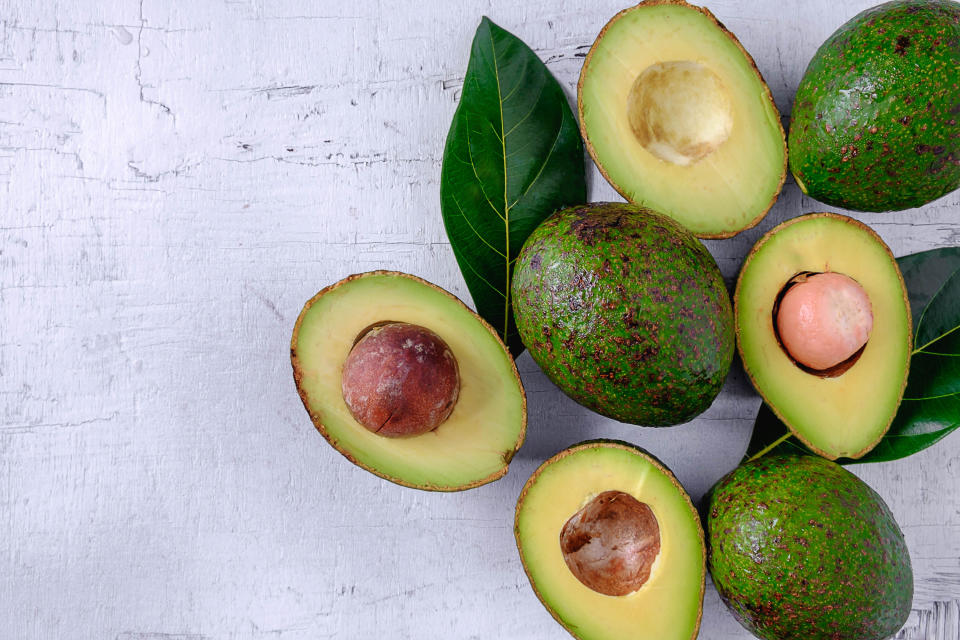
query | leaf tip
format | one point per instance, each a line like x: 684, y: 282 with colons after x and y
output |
x: 488, y: 24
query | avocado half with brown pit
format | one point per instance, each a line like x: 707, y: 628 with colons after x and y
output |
x: 678, y: 119
x: 824, y: 331
x: 408, y: 383
x: 612, y: 544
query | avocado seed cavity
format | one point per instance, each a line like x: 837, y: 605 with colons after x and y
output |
x: 824, y: 319
x: 680, y: 111
x: 400, y: 380
x: 610, y: 544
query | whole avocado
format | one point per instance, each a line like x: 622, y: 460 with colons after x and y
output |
x: 626, y: 312
x: 800, y: 548
x: 875, y: 120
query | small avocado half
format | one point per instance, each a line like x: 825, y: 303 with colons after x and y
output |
x: 678, y: 119
x: 876, y: 120
x: 668, y: 605
x: 486, y: 428
x: 802, y: 549
x: 626, y: 312
x: 845, y: 410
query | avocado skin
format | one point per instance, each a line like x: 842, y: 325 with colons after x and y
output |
x: 626, y: 312
x: 875, y: 120
x: 800, y: 548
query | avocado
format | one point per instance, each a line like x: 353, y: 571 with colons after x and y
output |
x: 802, y: 549
x: 408, y: 383
x: 677, y: 118
x: 841, y: 409
x: 612, y: 544
x: 876, y: 119
x: 626, y: 312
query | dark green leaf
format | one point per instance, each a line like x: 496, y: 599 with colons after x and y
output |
x: 940, y: 319
x: 924, y: 273
x: 931, y: 405
x: 513, y: 157
x: 932, y: 376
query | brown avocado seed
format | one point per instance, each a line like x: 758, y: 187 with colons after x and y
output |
x: 400, y: 380
x: 611, y: 543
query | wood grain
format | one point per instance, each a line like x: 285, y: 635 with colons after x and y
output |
x: 176, y: 180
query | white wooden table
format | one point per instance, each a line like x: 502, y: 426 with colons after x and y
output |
x: 176, y: 179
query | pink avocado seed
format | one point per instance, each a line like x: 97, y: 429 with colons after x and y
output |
x: 824, y: 320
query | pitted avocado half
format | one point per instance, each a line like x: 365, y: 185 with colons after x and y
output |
x: 678, y: 119
x: 876, y: 120
x: 486, y: 427
x: 626, y: 312
x: 845, y: 410
x: 568, y: 523
x: 802, y: 549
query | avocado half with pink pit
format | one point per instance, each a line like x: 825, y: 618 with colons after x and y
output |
x: 408, y: 383
x: 824, y: 331
x: 612, y: 544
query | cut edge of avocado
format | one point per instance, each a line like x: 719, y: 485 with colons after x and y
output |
x: 749, y: 370
x: 298, y: 375
x: 604, y: 443
x: 588, y: 143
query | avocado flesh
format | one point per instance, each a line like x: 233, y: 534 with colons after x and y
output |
x: 474, y: 445
x: 876, y: 120
x: 626, y: 312
x: 729, y: 189
x: 846, y: 415
x: 668, y: 605
x: 801, y: 549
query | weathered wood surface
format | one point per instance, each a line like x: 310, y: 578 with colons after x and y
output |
x: 177, y: 178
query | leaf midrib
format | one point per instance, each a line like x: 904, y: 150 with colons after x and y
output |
x: 927, y: 308
x: 506, y: 203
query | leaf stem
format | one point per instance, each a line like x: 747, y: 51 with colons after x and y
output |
x: 776, y: 443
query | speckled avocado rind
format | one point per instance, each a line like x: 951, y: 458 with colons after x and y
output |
x: 800, y: 548
x: 876, y: 120
x: 626, y: 312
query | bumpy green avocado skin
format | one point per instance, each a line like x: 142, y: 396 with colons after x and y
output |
x: 875, y: 119
x: 626, y: 312
x: 801, y: 549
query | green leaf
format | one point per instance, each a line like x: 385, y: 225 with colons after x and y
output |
x: 924, y: 273
x: 931, y: 404
x: 513, y: 157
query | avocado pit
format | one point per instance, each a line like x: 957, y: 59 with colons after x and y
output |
x: 400, y: 380
x: 610, y: 545
x: 823, y: 321
x: 680, y: 111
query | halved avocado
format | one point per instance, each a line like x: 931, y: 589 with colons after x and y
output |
x: 678, y: 118
x: 474, y: 445
x: 845, y: 410
x: 668, y: 605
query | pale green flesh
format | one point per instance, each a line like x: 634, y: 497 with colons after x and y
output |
x: 729, y: 189
x: 845, y: 415
x: 668, y: 606
x: 486, y: 427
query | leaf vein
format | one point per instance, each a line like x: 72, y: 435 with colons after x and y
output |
x: 506, y: 205
x: 545, y: 161
x: 473, y: 229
